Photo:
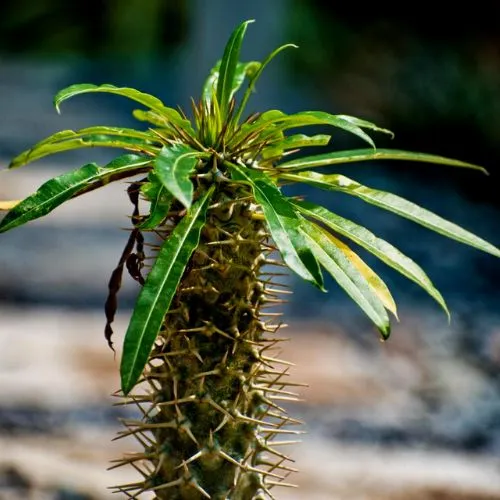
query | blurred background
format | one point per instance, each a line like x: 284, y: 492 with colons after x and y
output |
x: 415, y: 418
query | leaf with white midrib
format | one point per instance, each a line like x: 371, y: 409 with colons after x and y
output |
x: 345, y: 273
x: 382, y: 249
x: 147, y: 100
x: 46, y: 147
x: 228, y: 65
x: 62, y: 188
x: 160, y: 201
x: 174, y: 166
x: 158, y: 291
x: 376, y: 284
x: 283, y: 223
x: 395, y: 204
x: 360, y: 155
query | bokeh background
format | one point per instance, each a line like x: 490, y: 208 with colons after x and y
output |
x: 417, y: 417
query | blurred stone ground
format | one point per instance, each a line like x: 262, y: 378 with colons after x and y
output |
x: 371, y: 436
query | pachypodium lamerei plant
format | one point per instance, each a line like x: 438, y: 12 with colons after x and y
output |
x: 198, y: 356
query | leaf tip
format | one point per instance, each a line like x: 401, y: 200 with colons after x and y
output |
x: 126, y: 388
x: 385, y: 332
x: 127, y: 379
x: 448, y: 316
x: 186, y: 202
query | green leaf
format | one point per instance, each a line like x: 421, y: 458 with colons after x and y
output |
x: 256, y: 76
x: 66, y: 186
x: 376, y: 284
x: 284, y: 224
x: 147, y: 100
x: 383, y: 250
x: 296, y: 141
x: 357, y: 155
x: 174, y: 166
x: 160, y: 200
x: 243, y: 70
x: 284, y: 122
x: 158, y: 291
x: 358, y: 122
x: 151, y: 117
x: 128, y: 133
x: 68, y: 140
x: 345, y: 273
x: 228, y: 67
x: 395, y: 204
x: 302, y: 141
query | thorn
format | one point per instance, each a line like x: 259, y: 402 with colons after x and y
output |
x: 141, y: 426
x: 285, y: 419
x: 268, y: 493
x: 272, y: 451
x: 130, y: 487
x: 171, y: 484
x: 277, y: 483
x: 277, y: 361
x: 224, y: 421
x: 273, y: 341
x: 273, y: 328
x: 250, y: 420
x: 135, y: 400
x: 126, y: 493
x: 281, y: 383
x: 274, y: 300
x: 197, y: 487
x: 273, y: 390
x: 205, y: 374
x: 282, y: 431
x: 278, y: 465
x: 191, y: 459
x: 246, y: 468
x: 262, y: 472
x: 211, y: 402
x: 279, y: 292
x: 286, y: 398
x: 273, y: 262
x: 119, y: 462
x: 186, y: 427
x: 268, y: 402
x: 273, y: 372
x: 284, y: 443
x: 201, y: 329
x: 187, y: 399
x: 229, y: 458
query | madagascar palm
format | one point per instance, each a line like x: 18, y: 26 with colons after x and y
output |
x: 197, y: 356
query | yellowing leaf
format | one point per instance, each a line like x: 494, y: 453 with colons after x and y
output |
x: 7, y: 205
x: 376, y: 284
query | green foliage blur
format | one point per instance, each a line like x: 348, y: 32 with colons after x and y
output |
x: 94, y: 28
x: 432, y: 74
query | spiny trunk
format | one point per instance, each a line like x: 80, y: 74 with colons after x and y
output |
x: 210, y: 410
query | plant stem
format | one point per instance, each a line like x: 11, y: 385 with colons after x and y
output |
x: 208, y: 395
